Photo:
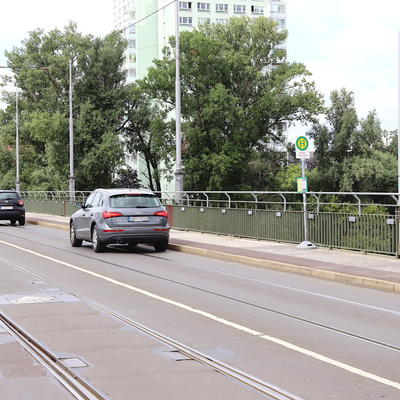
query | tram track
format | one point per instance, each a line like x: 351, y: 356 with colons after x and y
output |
x: 74, y: 384
x: 220, y: 295
x: 83, y: 391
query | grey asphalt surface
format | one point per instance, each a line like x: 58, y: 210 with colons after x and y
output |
x: 375, y: 271
x: 274, y: 325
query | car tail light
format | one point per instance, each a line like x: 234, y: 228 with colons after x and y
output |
x: 111, y: 214
x: 21, y: 202
x: 161, y: 213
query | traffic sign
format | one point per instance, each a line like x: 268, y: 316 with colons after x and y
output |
x: 302, y: 184
x: 302, y: 150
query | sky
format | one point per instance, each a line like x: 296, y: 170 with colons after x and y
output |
x: 344, y: 43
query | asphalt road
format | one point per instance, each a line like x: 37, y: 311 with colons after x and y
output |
x: 314, y: 338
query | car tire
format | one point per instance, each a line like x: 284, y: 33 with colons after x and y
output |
x: 72, y: 236
x: 21, y: 221
x: 13, y: 221
x: 97, y: 244
x: 161, y: 246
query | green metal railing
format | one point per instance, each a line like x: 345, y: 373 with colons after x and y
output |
x: 368, y: 233
x: 54, y: 207
x: 270, y: 215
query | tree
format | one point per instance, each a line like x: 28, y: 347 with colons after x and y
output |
x: 40, y: 68
x: 376, y: 173
x: 127, y: 178
x: 237, y: 95
x: 146, y: 131
x: 351, y: 153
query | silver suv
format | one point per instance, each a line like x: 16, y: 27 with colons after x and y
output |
x: 128, y: 216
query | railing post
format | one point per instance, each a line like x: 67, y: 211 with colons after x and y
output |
x: 284, y: 201
x: 256, y: 200
x: 359, y: 203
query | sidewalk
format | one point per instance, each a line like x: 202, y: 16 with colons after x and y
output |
x: 373, y: 271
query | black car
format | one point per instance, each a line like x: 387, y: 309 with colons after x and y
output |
x: 12, y: 207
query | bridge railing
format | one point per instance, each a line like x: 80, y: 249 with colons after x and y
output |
x: 359, y: 221
x: 284, y: 201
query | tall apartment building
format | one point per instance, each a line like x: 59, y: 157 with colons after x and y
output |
x: 146, y: 38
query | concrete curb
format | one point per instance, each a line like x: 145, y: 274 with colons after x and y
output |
x: 48, y: 224
x: 371, y: 283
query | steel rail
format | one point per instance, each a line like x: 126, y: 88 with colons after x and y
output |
x: 80, y: 389
x: 268, y: 389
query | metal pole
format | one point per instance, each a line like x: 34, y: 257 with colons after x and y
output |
x: 398, y: 133
x: 178, y: 137
x: 17, y: 182
x: 303, y: 174
x: 71, y: 139
x: 398, y: 160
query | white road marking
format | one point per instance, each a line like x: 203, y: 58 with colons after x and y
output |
x: 223, y: 321
x: 308, y: 292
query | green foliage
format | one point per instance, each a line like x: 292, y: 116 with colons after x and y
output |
x: 286, y: 178
x: 351, y: 154
x: 41, y: 72
x: 127, y: 178
x: 262, y: 171
x: 233, y: 101
x: 146, y: 131
x: 376, y: 173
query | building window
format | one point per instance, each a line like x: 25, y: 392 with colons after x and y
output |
x: 185, y: 20
x: 257, y: 9
x: 223, y: 21
x: 132, y: 73
x: 219, y: 7
x: 203, y: 21
x: 239, y: 9
x: 203, y: 6
x: 132, y: 44
x: 132, y: 28
x: 132, y: 58
x: 185, y: 5
x: 281, y: 23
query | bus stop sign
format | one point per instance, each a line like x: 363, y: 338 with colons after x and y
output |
x: 302, y: 150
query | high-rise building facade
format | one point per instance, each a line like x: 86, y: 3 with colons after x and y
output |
x: 148, y: 30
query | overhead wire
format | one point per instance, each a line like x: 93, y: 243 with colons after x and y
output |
x: 149, y: 15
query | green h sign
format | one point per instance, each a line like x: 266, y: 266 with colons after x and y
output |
x: 302, y: 143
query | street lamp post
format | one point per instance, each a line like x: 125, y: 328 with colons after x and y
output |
x: 178, y: 137
x: 17, y: 182
x: 71, y: 139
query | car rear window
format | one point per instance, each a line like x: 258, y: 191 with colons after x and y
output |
x: 131, y: 200
x: 9, y: 196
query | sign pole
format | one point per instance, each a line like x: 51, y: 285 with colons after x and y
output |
x: 303, y: 153
x: 303, y: 175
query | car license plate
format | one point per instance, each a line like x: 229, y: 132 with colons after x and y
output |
x: 138, y: 219
x: 6, y: 207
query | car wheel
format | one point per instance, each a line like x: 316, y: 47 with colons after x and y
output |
x: 72, y: 236
x: 21, y: 221
x: 97, y: 244
x: 161, y: 246
x: 13, y: 221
